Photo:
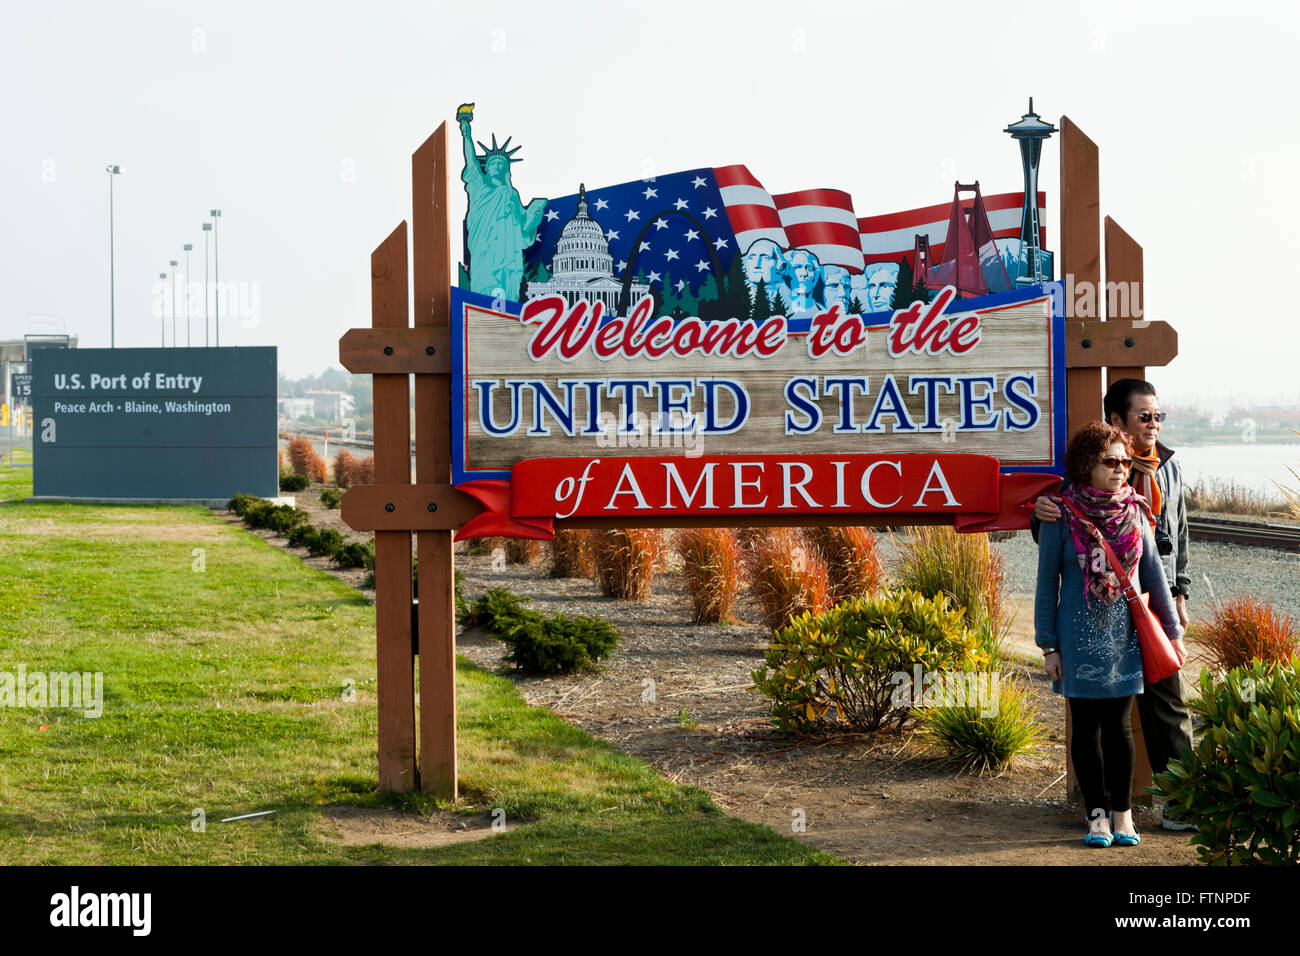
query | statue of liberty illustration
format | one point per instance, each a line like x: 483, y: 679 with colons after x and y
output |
x: 498, y: 227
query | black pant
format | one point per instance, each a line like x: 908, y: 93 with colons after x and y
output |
x: 1166, y: 722
x: 1102, y: 750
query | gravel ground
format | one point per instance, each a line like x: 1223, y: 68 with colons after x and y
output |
x: 1265, y: 573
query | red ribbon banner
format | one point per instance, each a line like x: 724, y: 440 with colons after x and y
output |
x: 541, y: 490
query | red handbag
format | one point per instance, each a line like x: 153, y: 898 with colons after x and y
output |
x: 1160, y: 658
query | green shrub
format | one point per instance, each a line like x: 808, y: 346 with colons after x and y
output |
x: 1241, y: 782
x: 241, y: 503
x: 539, y: 644
x: 324, y: 543
x: 291, y: 482
x: 980, y: 741
x: 837, y: 668
x: 355, y: 555
x: 300, y: 535
x: 278, y: 518
x: 330, y: 497
x: 560, y: 644
x: 496, y: 610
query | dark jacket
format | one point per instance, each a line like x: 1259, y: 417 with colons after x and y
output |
x: 1171, y: 523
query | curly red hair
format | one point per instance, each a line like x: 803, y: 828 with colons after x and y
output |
x: 1087, y: 446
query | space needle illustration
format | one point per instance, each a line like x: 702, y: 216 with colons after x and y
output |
x: 1030, y: 132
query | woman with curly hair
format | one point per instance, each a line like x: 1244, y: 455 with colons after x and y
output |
x: 1083, y: 624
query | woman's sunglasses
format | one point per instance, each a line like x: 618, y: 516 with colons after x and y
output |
x: 1145, y: 417
x: 1112, y: 462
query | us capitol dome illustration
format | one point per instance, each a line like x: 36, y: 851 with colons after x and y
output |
x: 583, y: 269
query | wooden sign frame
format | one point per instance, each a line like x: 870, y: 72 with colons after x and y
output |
x: 401, y: 342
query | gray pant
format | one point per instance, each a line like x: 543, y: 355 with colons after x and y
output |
x: 1166, y: 721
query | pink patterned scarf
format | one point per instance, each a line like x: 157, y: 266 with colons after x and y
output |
x: 1114, y: 515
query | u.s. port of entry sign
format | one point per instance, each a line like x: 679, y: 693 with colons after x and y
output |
x: 951, y: 407
x: 155, y: 423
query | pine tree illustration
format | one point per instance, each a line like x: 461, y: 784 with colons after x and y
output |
x: 903, y: 287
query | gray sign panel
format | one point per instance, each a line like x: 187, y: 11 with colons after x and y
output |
x: 154, y: 423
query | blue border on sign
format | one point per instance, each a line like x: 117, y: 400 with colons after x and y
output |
x: 463, y: 298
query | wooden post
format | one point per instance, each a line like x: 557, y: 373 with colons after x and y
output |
x: 430, y: 174
x: 1080, y: 258
x: 1124, y: 272
x: 395, y: 674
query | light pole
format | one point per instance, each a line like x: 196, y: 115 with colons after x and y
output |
x: 216, y: 271
x: 162, y: 319
x: 112, y: 170
x: 172, y: 263
x: 187, y: 247
x: 207, y: 228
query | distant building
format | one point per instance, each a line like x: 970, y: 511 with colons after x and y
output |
x: 296, y: 408
x: 582, y: 269
x: 330, y: 405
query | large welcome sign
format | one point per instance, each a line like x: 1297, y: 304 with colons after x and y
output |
x: 696, y: 346
x: 586, y: 414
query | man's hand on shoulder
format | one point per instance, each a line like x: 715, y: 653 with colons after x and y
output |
x: 1046, y: 510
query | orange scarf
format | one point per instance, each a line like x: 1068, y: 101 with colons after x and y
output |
x: 1143, y: 480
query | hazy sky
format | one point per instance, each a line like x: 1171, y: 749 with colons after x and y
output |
x: 298, y: 121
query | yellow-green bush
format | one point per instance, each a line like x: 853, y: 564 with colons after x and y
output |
x: 837, y: 668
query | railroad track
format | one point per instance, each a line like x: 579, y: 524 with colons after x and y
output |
x: 1227, y: 531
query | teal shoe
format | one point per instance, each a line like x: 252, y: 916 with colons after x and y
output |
x: 1124, y: 839
x: 1094, y: 838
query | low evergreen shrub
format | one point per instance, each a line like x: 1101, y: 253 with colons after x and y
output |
x: 356, y: 554
x: 324, y: 543
x: 291, y: 482
x: 330, y: 497
x: 241, y: 503
x: 538, y: 643
x: 299, y: 535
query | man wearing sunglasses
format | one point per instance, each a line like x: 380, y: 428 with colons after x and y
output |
x: 1131, y: 404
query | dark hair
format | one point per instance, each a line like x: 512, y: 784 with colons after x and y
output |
x: 1086, y: 447
x: 1120, y: 395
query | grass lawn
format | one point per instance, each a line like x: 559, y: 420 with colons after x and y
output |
x: 224, y: 661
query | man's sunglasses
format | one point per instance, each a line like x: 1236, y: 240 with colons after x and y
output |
x: 1145, y: 417
x: 1112, y: 462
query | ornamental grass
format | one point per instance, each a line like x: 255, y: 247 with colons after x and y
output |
x: 304, y: 460
x: 851, y: 560
x: 1244, y: 629
x: 522, y: 550
x: 571, y: 554
x: 936, y: 559
x: 787, y: 576
x: 984, y: 739
x: 712, y: 565
x: 624, y: 560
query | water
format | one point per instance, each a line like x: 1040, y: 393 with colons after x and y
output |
x: 1253, y: 466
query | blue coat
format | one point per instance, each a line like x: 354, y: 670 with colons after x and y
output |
x: 1099, y: 649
